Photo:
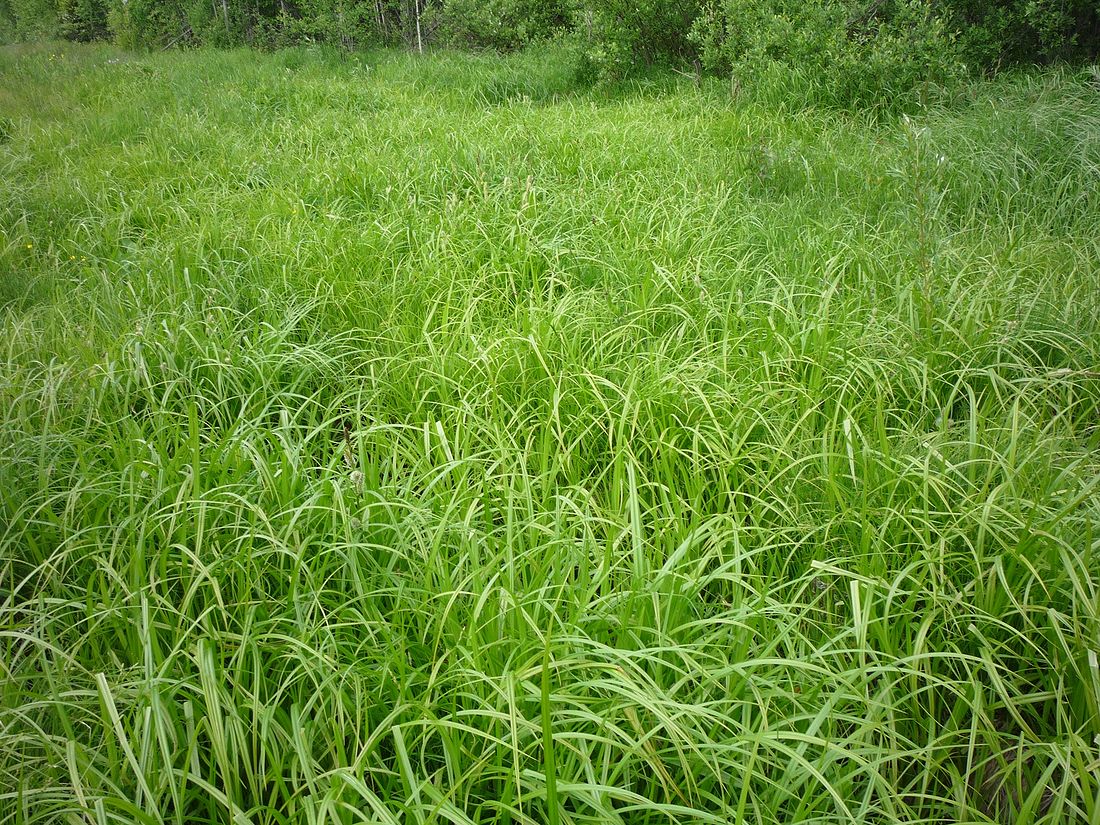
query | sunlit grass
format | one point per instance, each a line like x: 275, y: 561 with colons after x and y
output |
x: 414, y: 440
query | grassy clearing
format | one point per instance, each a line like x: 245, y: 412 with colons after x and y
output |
x: 418, y: 441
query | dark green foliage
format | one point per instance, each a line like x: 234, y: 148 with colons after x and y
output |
x: 836, y: 52
x: 996, y: 33
x: 28, y: 19
x: 137, y: 23
x: 344, y: 23
x: 83, y: 20
x: 499, y: 24
x: 883, y: 53
x: 348, y: 24
x: 620, y: 37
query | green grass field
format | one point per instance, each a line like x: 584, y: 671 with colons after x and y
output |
x: 427, y: 440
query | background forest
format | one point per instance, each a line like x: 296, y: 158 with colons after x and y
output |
x: 842, y: 51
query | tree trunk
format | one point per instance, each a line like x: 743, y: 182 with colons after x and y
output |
x: 419, y: 40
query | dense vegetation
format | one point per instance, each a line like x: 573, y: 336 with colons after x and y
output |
x: 845, y: 51
x: 416, y: 439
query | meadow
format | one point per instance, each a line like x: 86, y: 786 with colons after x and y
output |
x: 427, y: 439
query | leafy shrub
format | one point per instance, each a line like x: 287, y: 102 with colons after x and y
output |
x: 842, y: 53
x: 503, y: 25
x: 136, y: 23
x: 28, y: 19
x: 1025, y: 31
x: 619, y: 37
x: 344, y: 23
x: 83, y: 20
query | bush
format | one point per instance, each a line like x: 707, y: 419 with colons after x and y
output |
x: 28, y: 19
x: 135, y: 23
x: 503, y: 25
x: 1025, y: 31
x: 346, y: 24
x: 83, y: 20
x: 619, y: 37
x: 841, y: 53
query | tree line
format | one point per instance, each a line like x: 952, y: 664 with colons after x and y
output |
x: 848, y: 49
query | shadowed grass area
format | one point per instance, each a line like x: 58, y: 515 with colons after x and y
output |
x: 404, y: 440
